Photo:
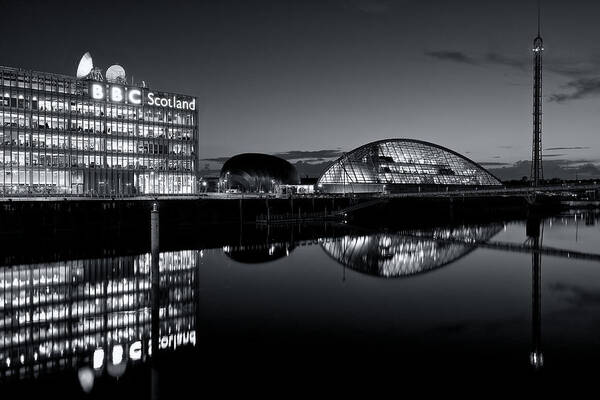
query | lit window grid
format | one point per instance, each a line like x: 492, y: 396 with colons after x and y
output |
x: 56, y: 140
x: 63, y: 310
x: 405, y: 162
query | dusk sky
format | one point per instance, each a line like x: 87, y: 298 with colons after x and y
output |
x: 327, y: 76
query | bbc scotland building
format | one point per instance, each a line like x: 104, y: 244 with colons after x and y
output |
x: 94, y: 136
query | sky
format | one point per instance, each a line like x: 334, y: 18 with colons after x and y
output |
x: 309, y: 80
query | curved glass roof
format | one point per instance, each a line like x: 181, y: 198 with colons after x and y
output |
x: 406, y: 161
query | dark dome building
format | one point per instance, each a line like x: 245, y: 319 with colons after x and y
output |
x: 255, y: 172
x: 396, y: 165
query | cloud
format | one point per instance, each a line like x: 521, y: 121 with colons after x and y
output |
x: 568, y: 148
x: 306, y: 156
x: 581, y: 88
x: 310, y: 154
x: 492, y: 163
x: 554, y: 155
x: 454, y: 56
x: 499, y: 59
x: 587, y: 170
x: 574, y: 69
x: 311, y: 169
x: 566, y: 68
x: 561, y: 169
x: 489, y: 58
x: 584, y: 81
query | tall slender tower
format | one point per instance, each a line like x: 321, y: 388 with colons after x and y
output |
x: 537, y: 171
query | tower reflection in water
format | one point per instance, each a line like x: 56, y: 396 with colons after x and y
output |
x: 93, y: 313
x: 393, y: 255
x: 535, y: 234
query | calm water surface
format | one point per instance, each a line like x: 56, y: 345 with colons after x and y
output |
x: 309, y: 305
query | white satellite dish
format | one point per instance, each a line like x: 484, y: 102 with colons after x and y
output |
x: 85, y: 66
x: 115, y: 73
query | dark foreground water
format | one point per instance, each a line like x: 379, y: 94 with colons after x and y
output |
x: 313, y: 306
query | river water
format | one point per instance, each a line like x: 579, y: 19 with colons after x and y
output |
x: 309, y: 305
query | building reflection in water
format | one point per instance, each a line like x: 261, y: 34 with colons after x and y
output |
x: 259, y: 253
x: 93, y: 313
x: 399, y: 254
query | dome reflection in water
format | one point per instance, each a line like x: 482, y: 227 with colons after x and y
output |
x: 400, y: 254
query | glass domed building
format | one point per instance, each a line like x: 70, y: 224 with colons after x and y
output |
x: 397, y: 165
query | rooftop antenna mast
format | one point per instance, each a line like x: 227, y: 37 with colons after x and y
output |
x: 537, y: 171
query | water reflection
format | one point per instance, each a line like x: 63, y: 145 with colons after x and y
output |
x: 535, y: 235
x: 258, y: 253
x: 93, y: 313
x: 100, y: 316
x: 410, y: 252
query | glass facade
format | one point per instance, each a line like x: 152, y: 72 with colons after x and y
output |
x: 70, y: 137
x: 389, y: 165
x: 95, y: 312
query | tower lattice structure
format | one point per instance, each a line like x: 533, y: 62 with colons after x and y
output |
x: 537, y: 171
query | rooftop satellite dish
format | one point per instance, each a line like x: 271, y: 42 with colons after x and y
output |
x: 85, y: 66
x: 115, y: 74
